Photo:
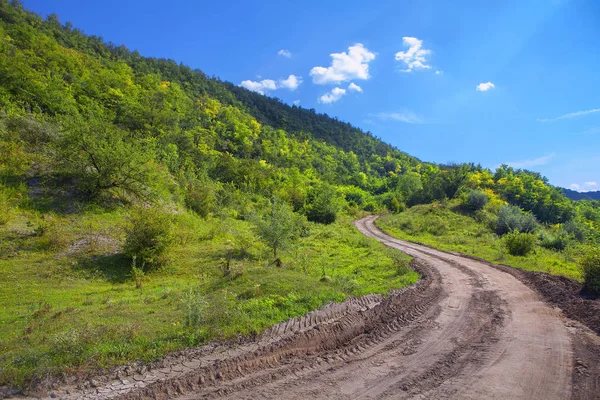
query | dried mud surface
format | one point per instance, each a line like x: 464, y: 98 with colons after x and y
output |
x: 466, y: 330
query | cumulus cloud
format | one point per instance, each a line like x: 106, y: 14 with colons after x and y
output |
x: 408, y: 117
x: 535, y: 162
x: 292, y: 82
x: 574, y: 186
x: 296, y: 102
x: 591, y: 184
x: 285, y: 53
x: 345, y: 66
x: 485, y: 86
x: 570, y: 115
x: 267, y: 85
x: 415, y: 57
x: 354, y: 88
x: 333, y: 96
x: 260, y: 87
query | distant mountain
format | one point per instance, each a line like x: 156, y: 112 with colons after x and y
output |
x: 573, y: 195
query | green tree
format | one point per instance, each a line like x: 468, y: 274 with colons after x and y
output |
x: 278, y: 226
x: 324, y: 204
x: 149, y: 237
x: 104, y: 158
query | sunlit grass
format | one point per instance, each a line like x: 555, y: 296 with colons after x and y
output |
x: 447, y: 228
x: 69, y: 303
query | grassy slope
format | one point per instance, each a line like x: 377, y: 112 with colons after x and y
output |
x: 69, y: 307
x: 443, y: 228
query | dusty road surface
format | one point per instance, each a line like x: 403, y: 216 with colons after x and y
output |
x: 465, y: 331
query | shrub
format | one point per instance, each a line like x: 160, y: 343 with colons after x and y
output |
x: 551, y: 241
x: 149, y: 237
x: 476, y: 200
x: 512, y: 218
x: 590, y: 269
x: 4, y: 208
x: 576, y: 230
x: 519, y: 244
x: 324, y: 204
x: 201, y: 199
x: 194, y: 307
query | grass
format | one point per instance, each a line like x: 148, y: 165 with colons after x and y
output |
x: 69, y: 303
x: 449, y: 228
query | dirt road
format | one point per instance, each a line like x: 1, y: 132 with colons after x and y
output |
x: 465, y: 331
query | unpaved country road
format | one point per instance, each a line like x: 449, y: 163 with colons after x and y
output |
x: 466, y: 330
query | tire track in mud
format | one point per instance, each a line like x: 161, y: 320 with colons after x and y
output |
x: 465, y: 330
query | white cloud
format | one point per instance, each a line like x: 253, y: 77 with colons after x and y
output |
x: 570, y: 115
x: 354, y: 87
x: 574, y: 186
x: 408, y: 117
x: 296, y: 102
x: 285, y: 53
x: 485, y: 86
x: 260, y: 87
x: 292, y: 82
x: 345, y: 66
x: 535, y: 162
x: 266, y: 85
x: 439, y: 72
x: 333, y: 96
x: 415, y: 58
x: 591, y: 184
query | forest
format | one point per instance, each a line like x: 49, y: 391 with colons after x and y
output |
x: 124, y: 179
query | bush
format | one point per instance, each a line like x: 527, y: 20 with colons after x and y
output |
x: 324, y: 204
x: 476, y: 200
x: 5, y: 211
x: 512, y: 218
x: 551, y: 241
x: 590, y: 268
x: 576, y: 230
x: 201, y: 199
x: 519, y: 244
x: 149, y: 237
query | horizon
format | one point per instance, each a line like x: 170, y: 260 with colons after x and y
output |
x: 460, y: 70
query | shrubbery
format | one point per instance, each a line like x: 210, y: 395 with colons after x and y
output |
x: 512, y: 218
x: 551, y: 241
x: 590, y: 268
x: 324, y: 204
x: 519, y: 244
x: 149, y: 237
x: 476, y: 200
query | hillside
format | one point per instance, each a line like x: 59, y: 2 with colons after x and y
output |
x: 146, y: 208
x: 574, y: 195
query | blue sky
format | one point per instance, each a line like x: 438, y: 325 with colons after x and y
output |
x: 489, y: 82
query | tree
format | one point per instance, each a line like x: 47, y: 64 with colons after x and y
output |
x: 103, y: 158
x: 476, y: 200
x: 324, y: 204
x: 149, y: 237
x: 278, y: 226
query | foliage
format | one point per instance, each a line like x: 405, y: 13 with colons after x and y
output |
x: 553, y: 241
x: 518, y: 243
x: 149, y: 237
x: 476, y: 200
x: 474, y: 234
x: 512, y: 218
x: 277, y: 226
x: 103, y: 158
x: 590, y: 267
x: 324, y: 204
